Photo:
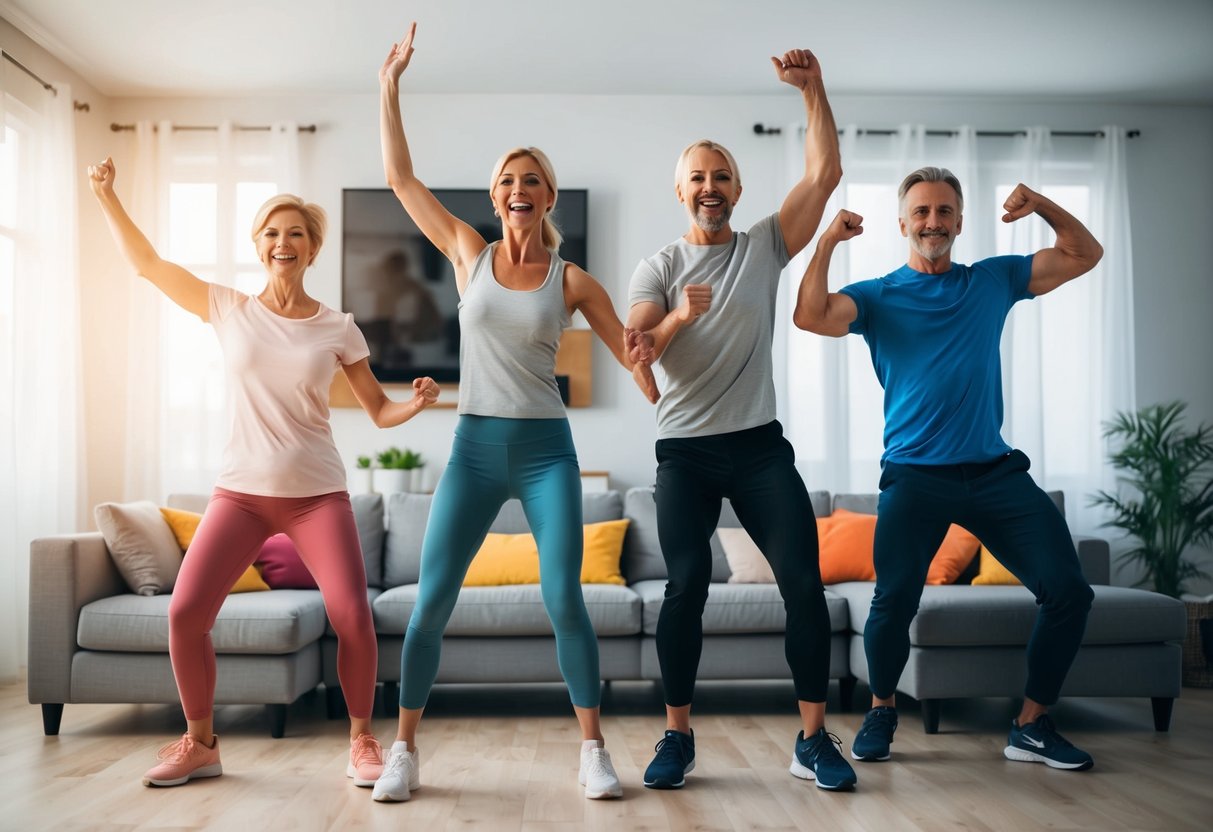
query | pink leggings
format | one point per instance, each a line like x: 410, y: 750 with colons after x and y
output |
x: 227, y: 542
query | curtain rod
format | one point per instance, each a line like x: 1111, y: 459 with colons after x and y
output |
x: 45, y: 84
x: 763, y: 130
x: 303, y: 128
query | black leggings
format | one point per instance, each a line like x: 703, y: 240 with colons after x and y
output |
x: 998, y: 502
x: 754, y: 469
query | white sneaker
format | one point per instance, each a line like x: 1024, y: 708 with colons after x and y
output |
x: 596, y: 773
x: 400, y: 775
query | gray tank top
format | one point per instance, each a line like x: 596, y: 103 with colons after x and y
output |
x: 508, y: 342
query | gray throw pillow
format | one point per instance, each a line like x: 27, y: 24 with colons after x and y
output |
x: 141, y: 544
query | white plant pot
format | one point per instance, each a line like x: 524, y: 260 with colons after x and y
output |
x: 391, y: 480
x: 417, y: 480
x: 360, y: 481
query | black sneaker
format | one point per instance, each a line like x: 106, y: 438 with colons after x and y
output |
x: 819, y: 758
x: 1039, y: 742
x: 876, y: 735
x: 675, y: 759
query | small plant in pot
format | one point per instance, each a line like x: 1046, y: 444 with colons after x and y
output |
x: 1169, y: 470
x: 395, y: 471
x: 360, y: 479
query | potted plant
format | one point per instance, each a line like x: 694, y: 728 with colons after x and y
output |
x: 391, y: 475
x: 415, y: 465
x: 361, y: 477
x: 1170, y: 469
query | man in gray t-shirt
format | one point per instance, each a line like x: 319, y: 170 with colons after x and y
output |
x: 708, y: 300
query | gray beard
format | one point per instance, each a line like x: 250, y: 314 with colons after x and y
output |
x: 712, y: 224
x: 934, y: 250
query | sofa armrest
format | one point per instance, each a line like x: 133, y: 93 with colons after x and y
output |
x: 1095, y: 558
x: 65, y: 573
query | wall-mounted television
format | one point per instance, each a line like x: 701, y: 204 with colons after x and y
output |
x: 401, y: 290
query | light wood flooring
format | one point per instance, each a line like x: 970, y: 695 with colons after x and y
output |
x: 505, y: 758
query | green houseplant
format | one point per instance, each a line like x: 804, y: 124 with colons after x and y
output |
x: 398, y: 470
x: 1171, y: 471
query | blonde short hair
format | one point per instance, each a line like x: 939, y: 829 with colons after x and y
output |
x: 315, y: 220
x: 550, y: 234
x: 680, y: 169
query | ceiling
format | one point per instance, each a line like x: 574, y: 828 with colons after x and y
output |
x: 1129, y: 51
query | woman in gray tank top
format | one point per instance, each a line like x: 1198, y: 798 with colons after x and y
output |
x: 513, y: 438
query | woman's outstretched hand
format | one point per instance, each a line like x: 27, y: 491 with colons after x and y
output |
x: 425, y: 392
x: 398, y: 57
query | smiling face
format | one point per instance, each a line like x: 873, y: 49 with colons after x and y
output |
x: 708, y: 188
x: 284, y: 246
x: 930, y: 219
x: 521, y: 194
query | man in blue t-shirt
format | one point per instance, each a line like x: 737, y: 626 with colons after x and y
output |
x: 933, y: 328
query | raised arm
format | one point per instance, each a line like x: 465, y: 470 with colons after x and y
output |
x: 801, y: 211
x: 661, y: 325
x: 385, y: 412
x: 449, y: 234
x: 181, y: 287
x: 1075, y: 252
x: 818, y: 310
x: 634, y: 350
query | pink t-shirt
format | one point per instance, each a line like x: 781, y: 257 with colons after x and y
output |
x: 279, y: 371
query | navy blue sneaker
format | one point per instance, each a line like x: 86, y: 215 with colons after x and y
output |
x: 819, y: 758
x: 675, y: 759
x: 1039, y: 742
x: 875, y: 735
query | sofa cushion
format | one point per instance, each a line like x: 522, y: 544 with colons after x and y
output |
x: 141, y: 544
x: 407, y: 515
x: 280, y: 621
x: 737, y: 608
x: 642, y: 559
x: 511, y: 611
x: 955, y: 616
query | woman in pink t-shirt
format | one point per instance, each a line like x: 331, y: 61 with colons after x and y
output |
x: 281, y: 470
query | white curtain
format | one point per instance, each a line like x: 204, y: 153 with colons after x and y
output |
x: 1067, y: 357
x: 195, y: 193
x: 41, y: 444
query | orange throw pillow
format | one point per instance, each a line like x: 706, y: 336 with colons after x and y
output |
x: 847, y: 541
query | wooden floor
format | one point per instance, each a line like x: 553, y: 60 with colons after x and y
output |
x: 506, y: 758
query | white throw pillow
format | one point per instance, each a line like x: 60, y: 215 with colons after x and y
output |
x: 746, y: 561
x: 141, y: 544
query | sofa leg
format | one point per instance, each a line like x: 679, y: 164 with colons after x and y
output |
x: 277, y: 718
x: 391, y: 699
x: 846, y: 693
x: 52, y: 715
x: 1162, y: 712
x: 930, y: 715
x: 334, y: 702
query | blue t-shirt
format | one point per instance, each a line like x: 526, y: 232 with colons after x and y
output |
x: 934, y: 342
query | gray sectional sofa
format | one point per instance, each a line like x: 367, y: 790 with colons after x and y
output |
x: 91, y: 640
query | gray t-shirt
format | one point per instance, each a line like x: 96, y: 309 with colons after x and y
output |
x: 508, y: 342
x: 718, y: 370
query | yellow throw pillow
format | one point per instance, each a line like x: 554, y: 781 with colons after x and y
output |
x: 184, y: 524
x: 992, y: 573
x: 505, y: 559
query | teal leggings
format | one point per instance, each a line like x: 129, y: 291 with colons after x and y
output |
x: 492, y: 460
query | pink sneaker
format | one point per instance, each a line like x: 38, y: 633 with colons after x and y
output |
x: 366, y: 760
x: 183, y: 760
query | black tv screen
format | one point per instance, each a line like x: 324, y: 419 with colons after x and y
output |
x: 401, y: 290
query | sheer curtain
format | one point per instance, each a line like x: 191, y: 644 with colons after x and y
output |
x: 1067, y: 357
x: 195, y: 195
x: 41, y: 444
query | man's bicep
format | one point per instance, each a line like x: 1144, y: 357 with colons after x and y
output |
x: 645, y: 315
